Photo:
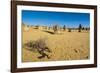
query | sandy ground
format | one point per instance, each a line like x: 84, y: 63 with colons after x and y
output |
x: 65, y: 46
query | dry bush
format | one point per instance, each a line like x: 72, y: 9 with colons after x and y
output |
x: 36, y: 27
x: 55, y: 28
x: 40, y: 45
x: 69, y: 30
x: 79, y: 28
x: 64, y: 27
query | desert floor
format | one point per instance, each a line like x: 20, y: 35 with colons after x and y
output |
x: 64, y: 46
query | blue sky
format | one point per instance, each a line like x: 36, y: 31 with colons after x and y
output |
x: 48, y: 18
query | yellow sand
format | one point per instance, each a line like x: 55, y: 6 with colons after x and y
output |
x: 64, y: 46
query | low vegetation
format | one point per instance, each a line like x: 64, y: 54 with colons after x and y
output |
x: 40, y: 46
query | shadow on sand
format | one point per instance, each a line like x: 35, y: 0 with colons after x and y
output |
x: 48, y: 32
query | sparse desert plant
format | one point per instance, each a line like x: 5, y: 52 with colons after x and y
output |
x: 79, y: 28
x: 40, y: 45
x: 87, y: 29
x: 64, y: 27
x: 55, y: 28
x: 83, y: 28
x: 69, y: 30
x: 36, y: 27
